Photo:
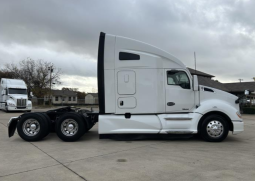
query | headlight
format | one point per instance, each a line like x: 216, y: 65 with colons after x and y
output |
x: 239, y: 114
x: 29, y: 105
x: 11, y: 104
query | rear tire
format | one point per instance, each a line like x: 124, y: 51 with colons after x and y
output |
x: 32, y: 127
x: 214, y: 128
x: 47, y: 119
x: 70, y: 127
x: 90, y: 126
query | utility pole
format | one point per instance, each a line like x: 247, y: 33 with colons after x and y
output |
x: 240, y: 80
x: 51, y: 70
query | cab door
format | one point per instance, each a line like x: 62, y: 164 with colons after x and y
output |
x: 180, y: 96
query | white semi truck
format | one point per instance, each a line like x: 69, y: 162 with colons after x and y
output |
x: 142, y: 90
x: 14, y: 95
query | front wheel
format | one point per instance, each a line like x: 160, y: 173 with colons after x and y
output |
x: 214, y: 128
x: 70, y: 127
x: 6, y: 109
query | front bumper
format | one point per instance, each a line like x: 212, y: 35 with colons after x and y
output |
x: 19, y: 109
x: 238, y: 126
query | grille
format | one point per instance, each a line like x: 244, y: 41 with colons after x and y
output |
x: 21, y: 102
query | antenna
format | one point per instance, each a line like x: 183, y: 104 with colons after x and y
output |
x: 195, y: 62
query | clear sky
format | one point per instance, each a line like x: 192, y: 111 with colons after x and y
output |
x: 222, y: 32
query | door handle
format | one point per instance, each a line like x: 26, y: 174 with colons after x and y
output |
x: 121, y: 103
x: 170, y: 104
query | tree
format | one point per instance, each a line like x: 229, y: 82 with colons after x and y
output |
x: 8, y: 75
x: 70, y: 89
x: 36, y: 74
x: 81, y: 95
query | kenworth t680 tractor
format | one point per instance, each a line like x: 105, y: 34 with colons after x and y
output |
x: 142, y: 90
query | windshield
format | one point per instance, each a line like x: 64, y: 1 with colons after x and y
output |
x: 17, y: 91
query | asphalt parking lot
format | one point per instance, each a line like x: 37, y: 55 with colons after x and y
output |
x: 93, y: 159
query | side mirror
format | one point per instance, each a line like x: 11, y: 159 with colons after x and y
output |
x: 3, y: 92
x: 246, y: 92
x: 195, y: 83
x: 31, y: 94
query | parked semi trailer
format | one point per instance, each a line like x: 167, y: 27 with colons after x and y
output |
x: 14, y: 95
x: 142, y: 90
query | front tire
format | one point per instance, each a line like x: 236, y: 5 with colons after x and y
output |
x: 6, y: 109
x: 214, y: 128
x: 70, y: 127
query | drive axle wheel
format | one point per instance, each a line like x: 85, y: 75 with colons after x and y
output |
x: 70, y: 127
x: 46, y: 117
x: 32, y: 127
x: 214, y: 128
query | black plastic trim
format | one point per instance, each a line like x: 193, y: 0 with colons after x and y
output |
x: 155, y: 113
x: 127, y: 115
x: 12, y: 127
x: 208, y: 90
x: 100, y: 74
x: 128, y: 56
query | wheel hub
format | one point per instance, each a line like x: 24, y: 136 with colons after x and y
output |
x: 31, y: 127
x: 69, y: 127
x: 215, y: 128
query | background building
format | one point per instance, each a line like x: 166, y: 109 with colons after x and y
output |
x: 91, y: 98
x: 62, y: 97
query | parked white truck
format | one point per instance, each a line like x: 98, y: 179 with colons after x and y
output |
x: 14, y: 95
x: 142, y: 90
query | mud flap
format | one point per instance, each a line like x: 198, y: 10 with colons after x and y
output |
x: 12, y: 125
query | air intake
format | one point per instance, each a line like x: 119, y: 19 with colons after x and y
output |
x: 21, y: 103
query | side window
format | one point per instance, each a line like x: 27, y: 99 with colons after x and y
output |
x: 179, y: 78
x: 128, y: 56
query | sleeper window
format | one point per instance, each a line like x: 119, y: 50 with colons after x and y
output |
x: 179, y: 78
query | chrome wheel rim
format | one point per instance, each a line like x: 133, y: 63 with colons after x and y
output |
x: 69, y: 127
x: 215, y: 129
x: 31, y: 127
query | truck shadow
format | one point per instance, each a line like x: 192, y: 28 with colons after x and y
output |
x: 91, y: 135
